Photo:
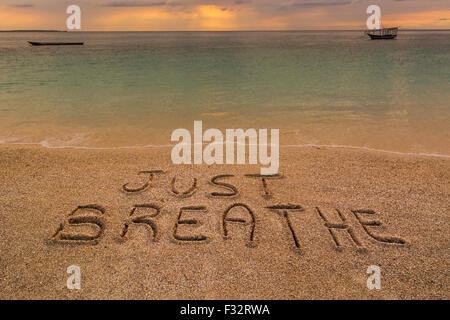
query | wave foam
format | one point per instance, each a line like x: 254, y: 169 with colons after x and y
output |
x: 48, y: 144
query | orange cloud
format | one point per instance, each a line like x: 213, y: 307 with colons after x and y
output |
x: 214, y: 17
x: 211, y: 11
x: 204, y: 17
x: 427, y: 19
x: 323, y: 18
x: 24, y: 18
x: 134, y: 19
x: 210, y: 17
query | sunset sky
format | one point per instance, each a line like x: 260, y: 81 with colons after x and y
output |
x: 103, y: 15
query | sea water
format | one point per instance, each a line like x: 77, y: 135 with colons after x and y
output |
x: 132, y: 89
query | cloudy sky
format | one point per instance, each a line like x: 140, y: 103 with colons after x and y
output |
x: 223, y: 14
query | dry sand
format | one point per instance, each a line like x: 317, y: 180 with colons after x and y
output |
x: 40, y: 188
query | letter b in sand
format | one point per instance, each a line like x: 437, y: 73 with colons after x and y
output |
x: 374, y: 21
x: 74, y: 20
x: 374, y: 280
x: 74, y: 281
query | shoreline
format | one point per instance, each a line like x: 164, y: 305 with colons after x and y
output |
x: 307, y: 145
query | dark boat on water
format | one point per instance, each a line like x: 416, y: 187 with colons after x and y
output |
x: 384, y: 33
x: 33, y: 43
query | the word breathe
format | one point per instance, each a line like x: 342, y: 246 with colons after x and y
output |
x: 213, y: 153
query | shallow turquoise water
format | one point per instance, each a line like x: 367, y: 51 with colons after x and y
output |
x: 131, y: 89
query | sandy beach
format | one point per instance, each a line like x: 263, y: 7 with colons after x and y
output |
x: 141, y: 228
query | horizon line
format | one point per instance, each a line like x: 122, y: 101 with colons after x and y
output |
x: 257, y: 30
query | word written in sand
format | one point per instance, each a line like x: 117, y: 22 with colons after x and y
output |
x: 213, y: 153
x: 228, y: 190
x: 187, y: 223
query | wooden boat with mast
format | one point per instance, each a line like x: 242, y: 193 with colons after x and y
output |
x: 383, y: 33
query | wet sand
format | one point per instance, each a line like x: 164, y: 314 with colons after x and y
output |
x: 309, y: 233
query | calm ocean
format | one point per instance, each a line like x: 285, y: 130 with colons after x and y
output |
x: 126, y: 89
